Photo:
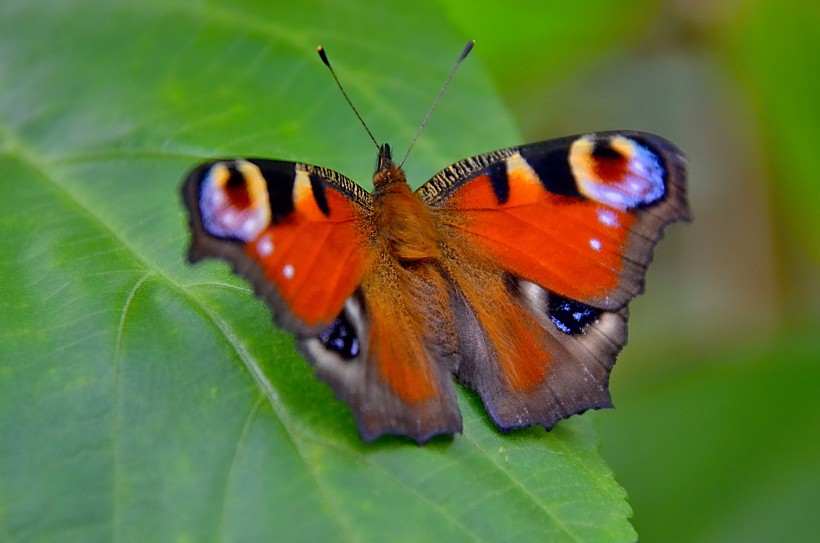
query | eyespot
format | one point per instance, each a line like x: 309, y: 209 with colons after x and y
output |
x: 234, y: 201
x: 340, y: 337
x: 616, y: 171
x: 569, y: 316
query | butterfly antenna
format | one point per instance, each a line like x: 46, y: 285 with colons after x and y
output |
x: 461, y: 57
x: 323, y: 56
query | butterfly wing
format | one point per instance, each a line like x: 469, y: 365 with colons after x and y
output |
x: 304, y: 238
x: 547, y: 243
x: 294, y: 231
x: 580, y: 214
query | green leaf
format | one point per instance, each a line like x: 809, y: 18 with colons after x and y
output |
x: 142, y: 399
x: 732, y: 444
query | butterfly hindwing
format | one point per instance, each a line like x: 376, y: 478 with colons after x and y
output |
x: 547, y: 243
x: 379, y: 357
x: 555, y: 365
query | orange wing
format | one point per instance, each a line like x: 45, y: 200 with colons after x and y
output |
x: 546, y: 244
x: 296, y: 232
x: 578, y: 216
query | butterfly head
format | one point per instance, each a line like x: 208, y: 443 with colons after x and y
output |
x: 385, y: 160
x: 388, y: 174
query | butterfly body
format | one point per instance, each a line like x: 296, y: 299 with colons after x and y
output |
x: 510, y: 271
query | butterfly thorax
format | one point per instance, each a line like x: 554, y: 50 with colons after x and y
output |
x: 403, y: 222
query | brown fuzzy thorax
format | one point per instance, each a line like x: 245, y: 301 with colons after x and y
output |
x: 403, y: 222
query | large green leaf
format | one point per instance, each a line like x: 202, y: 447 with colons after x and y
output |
x: 145, y: 400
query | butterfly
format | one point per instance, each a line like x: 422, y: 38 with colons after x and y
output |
x: 510, y: 271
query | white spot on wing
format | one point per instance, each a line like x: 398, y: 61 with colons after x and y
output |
x: 264, y: 246
x: 607, y: 217
x: 595, y: 244
x: 288, y: 271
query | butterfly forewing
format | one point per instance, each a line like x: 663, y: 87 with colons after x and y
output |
x: 578, y: 216
x: 294, y: 231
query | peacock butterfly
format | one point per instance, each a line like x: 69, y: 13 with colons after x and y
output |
x: 510, y: 270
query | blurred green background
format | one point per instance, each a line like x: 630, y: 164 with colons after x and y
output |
x: 716, y: 435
